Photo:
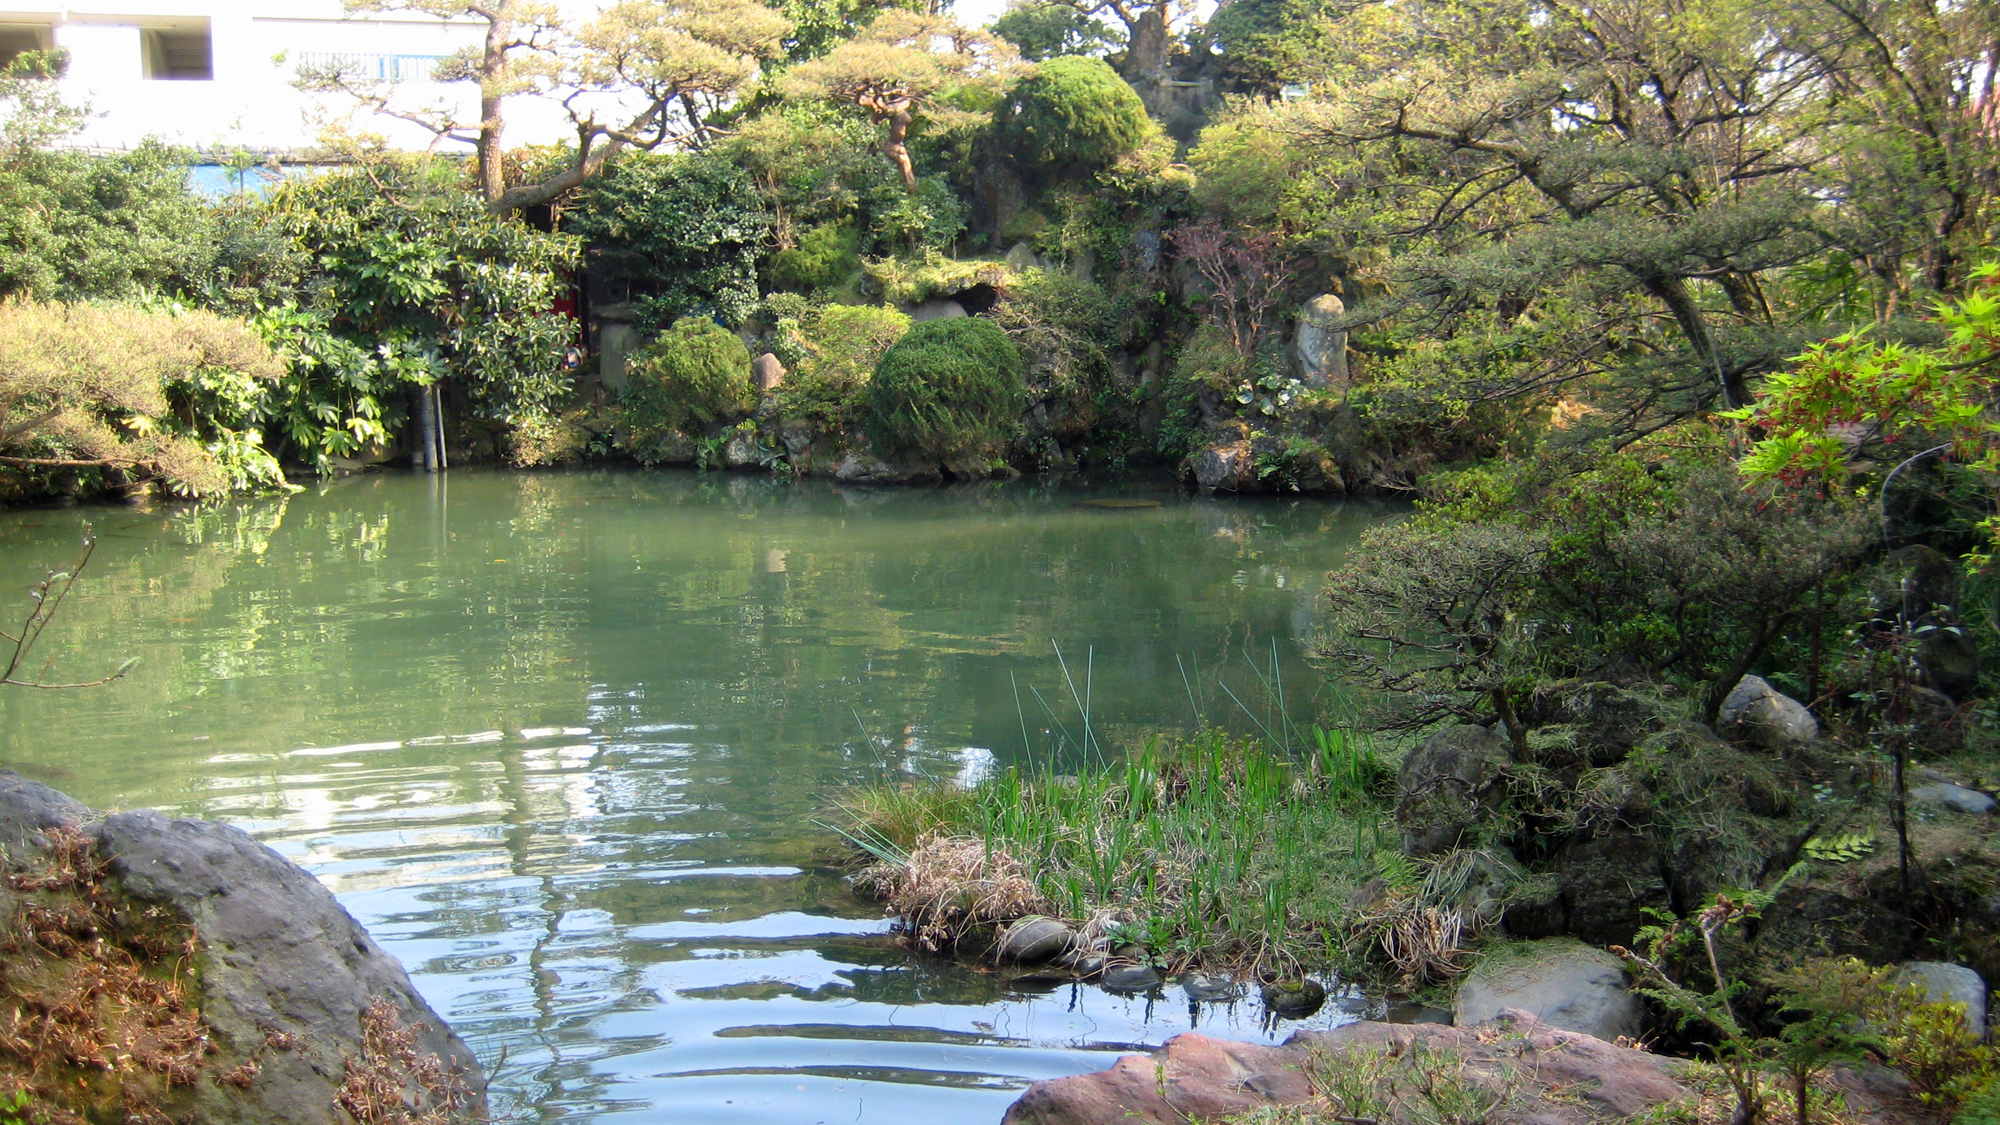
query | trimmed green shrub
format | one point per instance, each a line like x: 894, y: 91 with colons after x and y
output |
x: 948, y: 390
x: 696, y: 373
x: 849, y: 340
x: 1073, y: 111
x: 825, y: 256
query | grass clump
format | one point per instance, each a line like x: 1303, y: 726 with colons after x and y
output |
x: 696, y: 373
x: 1212, y: 852
x: 947, y: 390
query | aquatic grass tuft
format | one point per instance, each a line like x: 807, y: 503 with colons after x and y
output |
x: 1210, y: 851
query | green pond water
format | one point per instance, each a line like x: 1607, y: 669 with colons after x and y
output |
x: 560, y: 741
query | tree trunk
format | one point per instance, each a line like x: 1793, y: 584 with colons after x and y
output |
x: 896, y: 148
x: 492, y: 121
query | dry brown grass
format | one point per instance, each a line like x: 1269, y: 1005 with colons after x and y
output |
x: 396, y: 1082
x: 102, y: 1020
x: 1426, y: 943
x: 951, y: 884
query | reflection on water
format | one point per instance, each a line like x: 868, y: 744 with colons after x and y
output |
x: 559, y: 741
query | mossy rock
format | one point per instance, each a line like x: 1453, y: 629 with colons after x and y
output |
x: 239, y: 991
x: 1445, y: 786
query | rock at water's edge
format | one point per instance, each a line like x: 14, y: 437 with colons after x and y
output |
x: 1034, y: 940
x: 1195, y: 1077
x: 1565, y: 984
x: 278, y: 960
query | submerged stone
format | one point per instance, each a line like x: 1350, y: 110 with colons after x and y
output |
x: 1210, y: 989
x: 1130, y: 978
x: 1294, y: 999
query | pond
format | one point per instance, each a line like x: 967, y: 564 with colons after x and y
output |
x: 561, y: 742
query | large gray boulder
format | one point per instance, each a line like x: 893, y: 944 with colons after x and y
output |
x: 1946, y: 983
x: 1445, y: 784
x: 1226, y: 467
x: 305, y: 1014
x: 1758, y: 713
x: 1563, y: 983
x: 1952, y: 799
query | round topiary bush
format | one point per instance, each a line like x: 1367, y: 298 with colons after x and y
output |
x: 1073, y: 110
x: 695, y: 373
x: 949, y: 390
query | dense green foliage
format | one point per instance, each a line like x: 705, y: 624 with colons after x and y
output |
x: 1661, y: 563
x: 826, y: 256
x: 681, y: 232
x: 1068, y: 329
x: 949, y: 390
x: 80, y: 227
x: 411, y: 281
x: 1072, y: 112
x: 696, y: 373
x: 1043, y: 30
x: 847, y: 341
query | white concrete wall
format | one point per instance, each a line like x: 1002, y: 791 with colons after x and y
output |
x: 257, y: 47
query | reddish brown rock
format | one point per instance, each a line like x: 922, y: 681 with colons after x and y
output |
x: 1204, y: 1078
x: 1196, y: 1077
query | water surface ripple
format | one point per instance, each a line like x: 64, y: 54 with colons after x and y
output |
x: 560, y: 740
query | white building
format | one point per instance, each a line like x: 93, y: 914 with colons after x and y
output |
x: 217, y: 75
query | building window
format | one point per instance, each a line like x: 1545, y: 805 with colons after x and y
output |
x: 18, y: 39
x: 182, y: 53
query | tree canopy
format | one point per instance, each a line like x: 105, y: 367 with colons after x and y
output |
x: 639, y: 74
x: 905, y: 67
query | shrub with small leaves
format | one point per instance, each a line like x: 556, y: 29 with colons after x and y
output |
x: 948, y: 390
x: 1982, y: 1108
x: 696, y: 373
